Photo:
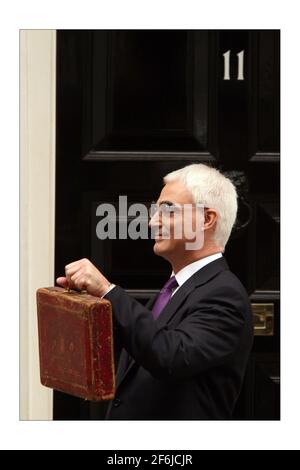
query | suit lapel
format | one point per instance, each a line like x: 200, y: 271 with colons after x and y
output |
x: 199, y: 278
x: 174, y: 303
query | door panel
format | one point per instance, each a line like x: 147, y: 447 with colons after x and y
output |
x: 135, y: 105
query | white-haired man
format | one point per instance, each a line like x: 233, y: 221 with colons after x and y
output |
x: 185, y: 353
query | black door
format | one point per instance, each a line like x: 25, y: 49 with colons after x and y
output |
x: 134, y: 105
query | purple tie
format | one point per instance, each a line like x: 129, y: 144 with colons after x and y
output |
x: 164, y: 296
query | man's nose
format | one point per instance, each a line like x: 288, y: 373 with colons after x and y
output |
x: 155, y: 220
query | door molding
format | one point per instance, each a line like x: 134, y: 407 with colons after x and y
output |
x: 37, y: 204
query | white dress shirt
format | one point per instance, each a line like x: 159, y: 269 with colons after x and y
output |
x: 185, y: 273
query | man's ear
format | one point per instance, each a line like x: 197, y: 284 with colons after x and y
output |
x: 210, y: 218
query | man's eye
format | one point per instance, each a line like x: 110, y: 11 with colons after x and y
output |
x: 167, y: 208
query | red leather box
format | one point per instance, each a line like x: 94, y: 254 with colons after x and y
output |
x: 76, y: 343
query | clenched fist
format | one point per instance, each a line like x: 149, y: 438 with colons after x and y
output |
x: 83, y: 275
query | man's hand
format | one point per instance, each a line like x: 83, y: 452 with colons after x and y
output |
x: 83, y: 275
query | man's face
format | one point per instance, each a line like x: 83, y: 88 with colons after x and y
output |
x: 168, y: 224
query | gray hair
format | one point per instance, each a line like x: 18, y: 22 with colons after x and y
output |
x: 212, y: 189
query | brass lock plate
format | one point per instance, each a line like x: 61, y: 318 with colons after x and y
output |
x: 263, y: 319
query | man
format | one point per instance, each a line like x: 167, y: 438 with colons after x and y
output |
x: 184, y: 354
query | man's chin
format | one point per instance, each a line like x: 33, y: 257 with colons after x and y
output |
x: 158, y: 247
x: 161, y: 247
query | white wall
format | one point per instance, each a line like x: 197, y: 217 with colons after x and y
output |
x: 37, y: 196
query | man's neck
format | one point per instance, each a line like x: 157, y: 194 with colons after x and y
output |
x: 179, y: 264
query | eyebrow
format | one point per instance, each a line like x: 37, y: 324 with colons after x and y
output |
x: 168, y: 203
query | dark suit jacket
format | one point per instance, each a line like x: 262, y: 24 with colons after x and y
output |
x: 190, y: 362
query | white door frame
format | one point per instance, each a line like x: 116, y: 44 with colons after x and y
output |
x: 37, y: 204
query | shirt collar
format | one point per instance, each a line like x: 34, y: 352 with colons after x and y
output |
x: 185, y: 273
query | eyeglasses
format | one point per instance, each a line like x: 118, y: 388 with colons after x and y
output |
x: 166, y: 209
x: 163, y: 209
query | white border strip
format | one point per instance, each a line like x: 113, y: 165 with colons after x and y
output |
x: 37, y: 204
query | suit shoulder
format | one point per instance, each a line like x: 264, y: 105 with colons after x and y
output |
x: 231, y: 281
x: 226, y: 288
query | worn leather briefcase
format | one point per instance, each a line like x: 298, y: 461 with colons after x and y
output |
x: 76, y: 343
